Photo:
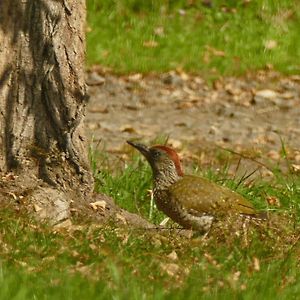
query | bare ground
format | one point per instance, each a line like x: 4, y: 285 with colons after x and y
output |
x: 252, y: 114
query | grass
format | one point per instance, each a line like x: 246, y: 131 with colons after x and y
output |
x: 93, y: 261
x: 228, y: 38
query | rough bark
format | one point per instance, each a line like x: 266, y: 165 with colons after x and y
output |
x: 42, y: 104
x: 43, y: 154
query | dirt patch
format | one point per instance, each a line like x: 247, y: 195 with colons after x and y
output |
x: 253, y: 111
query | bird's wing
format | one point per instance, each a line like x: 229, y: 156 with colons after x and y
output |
x: 203, y: 196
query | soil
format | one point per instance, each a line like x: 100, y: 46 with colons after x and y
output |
x: 251, y: 114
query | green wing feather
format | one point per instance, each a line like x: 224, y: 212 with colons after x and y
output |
x: 201, y: 195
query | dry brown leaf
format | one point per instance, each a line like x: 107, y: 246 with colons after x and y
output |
x: 159, y: 31
x: 135, y: 77
x: 170, y: 268
x: 13, y: 195
x: 295, y: 77
x: 65, y: 224
x: 297, y: 157
x: 182, y: 12
x: 93, y: 247
x: 173, y: 255
x: 127, y: 128
x: 232, y: 89
x: 256, y: 264
x: 215, y: 52
x: 210, y: 259
x: 93, y: 126
x: 266, y: 94
x: 9, y: 176
x: 98, y: 204
x: 99, y: 109
x: 273, y: 201
x: 273, y: 154
x: 287, y: 95
x: 184, y: 76
x: 185, y: 105
x: 270, y: 44
x: 236, y: 276
x: 49, y: 258
x: 121, y: 218
x: 150, y: 44
x: 296, y: 168
x: 37, y: 208
x: 83, y: 270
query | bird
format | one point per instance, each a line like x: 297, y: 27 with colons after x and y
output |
x: 193, y: 202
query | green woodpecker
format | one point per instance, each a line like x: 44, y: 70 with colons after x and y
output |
x: 191, y: 201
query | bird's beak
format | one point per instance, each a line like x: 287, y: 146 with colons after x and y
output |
x: 142, y: 148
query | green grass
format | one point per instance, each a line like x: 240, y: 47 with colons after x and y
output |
x: 229, y: 38
x: 94, y: 261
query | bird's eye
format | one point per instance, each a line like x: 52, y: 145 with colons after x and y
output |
x: 156, y: 154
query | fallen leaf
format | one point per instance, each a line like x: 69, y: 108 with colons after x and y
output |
x: 184, y: 76
x: 99, y: 109
x: 65, y: 224
x: 266, y: 94
x: 236, y: 276
x: 170, y: 268
x: 127, y: 128
x: 273, y: 154
x: 150, y: 44
x: 9, y: 176
x: 296, y: 168
x: 83, y: 270
x: 159, y: 31
x: 13, y: 195
x: 256, y: 264
x: 93, y: 126
x: 270, y: 44
x: 173, y: 255
x: 185, y: 105
x: 297, y: 157
x: 135, y: 77
x: 93, y: 247
x: 36, y: 207
x: 182, y: 12
x: 215, y: 52
x: 121, y: 218
x: 210, y: 259
x: 98, y: 204
x: 273, y: 201
x: 287, y: 95
x: 232, y: 89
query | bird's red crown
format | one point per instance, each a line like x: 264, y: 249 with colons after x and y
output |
x: 174, y: 157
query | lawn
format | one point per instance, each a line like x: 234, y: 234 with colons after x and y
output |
x: 220, y: 38
x: 102, y: 261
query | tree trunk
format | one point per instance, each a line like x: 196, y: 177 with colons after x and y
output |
x: 43, y: 156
